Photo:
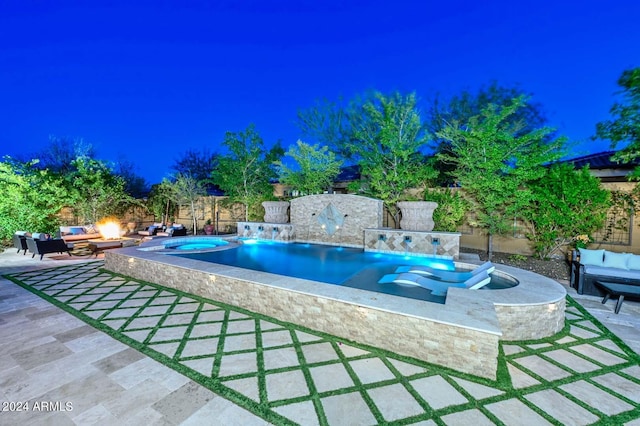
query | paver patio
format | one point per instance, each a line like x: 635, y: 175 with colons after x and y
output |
x: 165, y: 357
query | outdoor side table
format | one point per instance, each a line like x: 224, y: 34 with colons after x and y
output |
x: 620, y: 290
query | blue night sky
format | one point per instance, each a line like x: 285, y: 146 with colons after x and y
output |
x: 149, y: 81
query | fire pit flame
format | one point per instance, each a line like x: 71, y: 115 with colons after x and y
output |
x: 110, y: 230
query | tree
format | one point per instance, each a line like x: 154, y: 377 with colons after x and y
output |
x: 134, y: 184
x: 387, y: 146
x: 60, y: 153
x: 196, y: 163
x: 330, y: 124
x: 185, y: 190
x: 625, y: 125
x: 493, y: 159
x: 31, y: 198
x: 245, y: 174
x: 160, y: 202
x: 460, y: 108
x: 95, y: 192
x: 565, y: 203
x: 316, y: 171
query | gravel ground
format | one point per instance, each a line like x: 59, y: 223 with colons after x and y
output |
x: 558, y: 269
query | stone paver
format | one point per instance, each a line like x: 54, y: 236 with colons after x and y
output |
x: 54, y: 356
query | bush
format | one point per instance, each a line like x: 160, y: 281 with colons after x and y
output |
x: 566, y: 203
x: 452, y: 209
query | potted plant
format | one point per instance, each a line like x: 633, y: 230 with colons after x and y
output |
x: 208, y: 227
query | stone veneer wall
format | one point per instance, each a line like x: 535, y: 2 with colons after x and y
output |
x: 461, y: 348
x: 530, y: 322
x: 394, y: 241
x: 270, y: 231
x: 362, y: 213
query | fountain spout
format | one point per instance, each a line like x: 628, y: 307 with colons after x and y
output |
x: 435, y: 242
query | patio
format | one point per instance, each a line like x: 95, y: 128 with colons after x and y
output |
x: 270, y: 371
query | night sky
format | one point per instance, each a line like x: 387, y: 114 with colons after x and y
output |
x: 147, y: 82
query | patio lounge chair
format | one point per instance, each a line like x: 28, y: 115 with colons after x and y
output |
x: 438, y: 287
x: 42, y: 247
x: 20, y: 241
x: 175, y: 230
x: 452, y: 276
x: 152, y: 230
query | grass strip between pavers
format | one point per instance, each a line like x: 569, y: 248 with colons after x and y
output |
x: 265, y: 409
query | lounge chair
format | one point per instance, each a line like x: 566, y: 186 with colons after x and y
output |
x: 20, y: 241
x: 152, y: 230
x: 175, y: 230
x: 42, y: 247
x: 452, y: 276
x: 438, y: 287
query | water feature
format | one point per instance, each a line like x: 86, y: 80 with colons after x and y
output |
x: 407, y: 245
x: 435, y: 242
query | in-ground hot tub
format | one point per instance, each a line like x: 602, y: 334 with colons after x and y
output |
x: 463, y: 333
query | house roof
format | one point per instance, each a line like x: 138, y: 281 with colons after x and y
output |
x: 601, y: 160
x: 602, y: 166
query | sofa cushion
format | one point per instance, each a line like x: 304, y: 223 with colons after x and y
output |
x: 612, y: 272
x: 615, y: 260
x: 76, y: 230
x: 591, y: 257
x: 633, y: 262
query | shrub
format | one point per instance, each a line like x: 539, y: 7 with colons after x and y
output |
x: 452, y: 209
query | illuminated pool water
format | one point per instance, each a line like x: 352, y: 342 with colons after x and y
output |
x: 350, y: 267
x: 196, y: 244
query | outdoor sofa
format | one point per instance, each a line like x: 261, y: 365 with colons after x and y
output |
x: 603, y: 266
x: 175, y: 230
x: 38, y: 245
x: 152, y: 230
x: 79, y: 233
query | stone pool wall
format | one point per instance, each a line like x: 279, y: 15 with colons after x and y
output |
x: 284, y: 232
x: 368, y: 318
x: 417, y: 243
x: 356, y: 213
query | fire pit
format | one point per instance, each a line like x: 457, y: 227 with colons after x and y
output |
x: 112, y: 237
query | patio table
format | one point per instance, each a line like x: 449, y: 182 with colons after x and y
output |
x: 620, y: 290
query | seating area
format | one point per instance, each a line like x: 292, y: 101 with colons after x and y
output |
x: 41, y: 244
x: 175, y: 230
x: 79, y: 233
x: 152, y: 229
x: 592, y: 266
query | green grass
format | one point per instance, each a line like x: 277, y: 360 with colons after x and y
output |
x: 138, y: 313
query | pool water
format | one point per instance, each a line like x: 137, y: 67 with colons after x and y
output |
x: 349, y: 267
x: 186, y: 245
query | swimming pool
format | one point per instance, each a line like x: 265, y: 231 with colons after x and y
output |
x: 463, y: 333
x: 349, y: 267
